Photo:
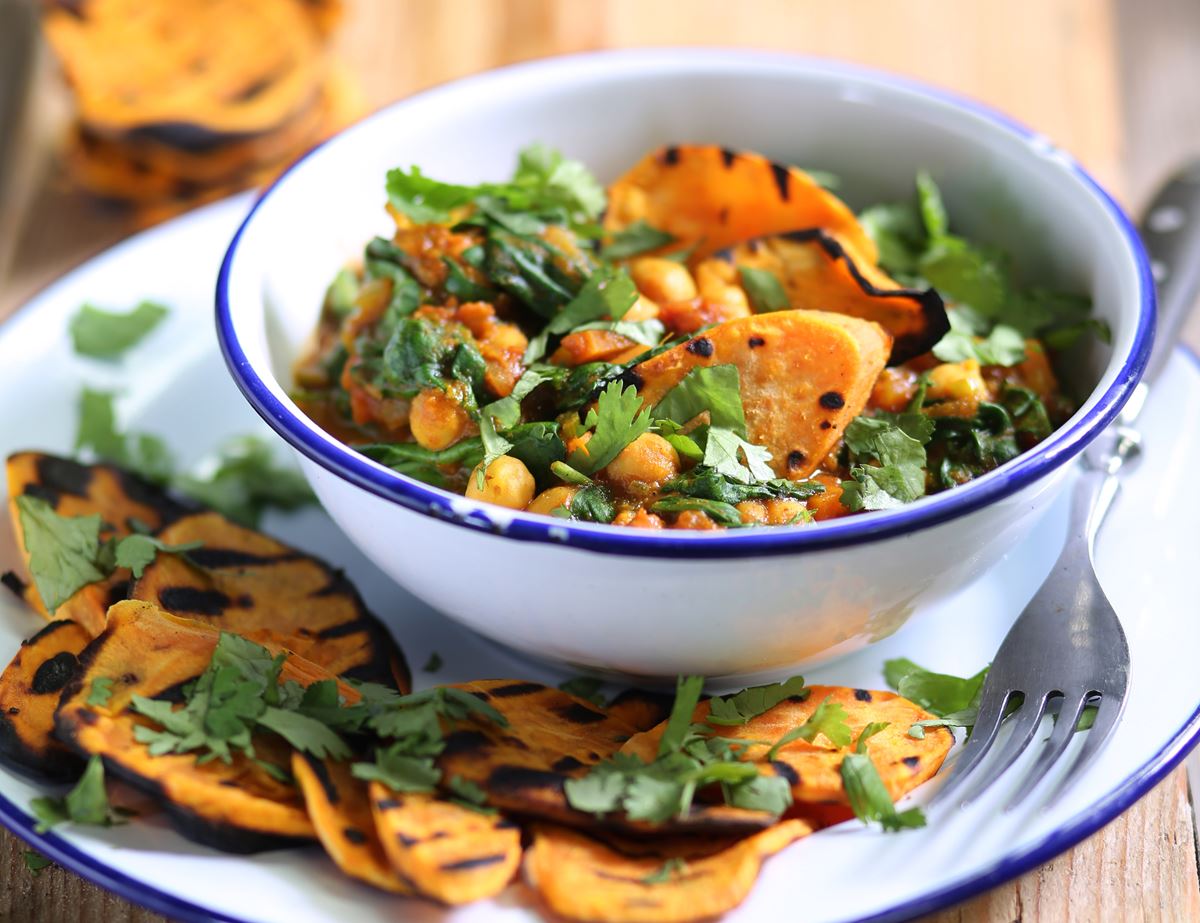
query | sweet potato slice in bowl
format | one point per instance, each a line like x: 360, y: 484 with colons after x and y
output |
x: 30, y: 688
x: 711, y: 197
x: 814, y: 769
x: 340, y: 811
x: 237, y: 806
x: 243, y: 581
x: 552, y: 737
x: 821, y: 272
x: 118, y: 497
x: 804, y: 376
x: 582, y: 879
x: 449, y: 853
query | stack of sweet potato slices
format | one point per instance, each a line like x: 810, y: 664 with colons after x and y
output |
x: 160, y: 636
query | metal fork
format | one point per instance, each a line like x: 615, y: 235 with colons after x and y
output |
x: 1068, y: 644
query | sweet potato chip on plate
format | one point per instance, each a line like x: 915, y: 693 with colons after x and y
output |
x: 29, y: 692
x: 340, y: 810
x: 448, y: 852
x: 814, y: 769
x: 582, y: 879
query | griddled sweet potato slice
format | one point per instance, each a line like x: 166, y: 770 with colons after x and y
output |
x: 340, y: 811
x: 712, y: 197
x: 814, y: 769
x: 820, y: 272
x: 73, y: 489
x: 553, y: 736
x: 237, y: 807
x: 449, y: 853
x: 804, y: 376
x: 243, y: 581
x: 29, y: 692
x: 582, y: 879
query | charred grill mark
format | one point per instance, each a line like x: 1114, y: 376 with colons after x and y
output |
x: 506, y: 823
x: 670, y: 156
x: 193, y: 599
x: 723, y: 215
x: 322, y: 773
x: 354, y: 835
x: 460, y: 743
x: 475, y: 862
x: 407, y: 841
x: 55, y: 673
x: 515, y: 689
x: 481, y: 695
x: 795, y: 459
x: 14, y: 583
x: 516, y: 778
x: 253, y: 89
x: 700, y: 346
x: 118, y: 591
x: 146, y: 494
x: 863, y: 695
x: 63, y: 475
x: 387, y: 804
x: 580, y: 714
x: 728, y: 157
x: 783, y: 178
x: 515, y: 742
x: 566, y: 764
x: 50, y: 629
x: 825, y: 424
x: 832, y: 400
x: 784, y: 771
x: 911, y: 761
x: 755, y: 342
x: 42, y: 492
x: 215, y: 558
x: 342, y: 630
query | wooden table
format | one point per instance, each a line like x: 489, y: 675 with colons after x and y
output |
x: 1115, y: 83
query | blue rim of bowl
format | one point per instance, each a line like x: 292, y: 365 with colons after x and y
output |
x: 1021, y: 472
x: 1076, y: 830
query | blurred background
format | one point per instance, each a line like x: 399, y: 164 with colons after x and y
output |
x: 116, y: 115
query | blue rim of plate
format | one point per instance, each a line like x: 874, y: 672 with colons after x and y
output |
x: 1022, y: 471
x: 1053, y: 844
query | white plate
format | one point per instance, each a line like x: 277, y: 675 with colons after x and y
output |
x: 174, y: 384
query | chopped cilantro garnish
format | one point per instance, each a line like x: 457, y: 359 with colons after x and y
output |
x: 763, y: 288
x: 638, y: 237
x: 64, y: 551
x: 687, y: 697
x: 868, y: 796
x: 730, y: 455
x: 828, y: 718
x: 138, y: 551
x: 434, y: 663
x: 107, y: 334
x: 887, y: 455
x: 243, y: 481
x: 86, y: 803
x: 671, y: 868
x: 101, y: 691
x: 722, y: 513
x: 752, y: 702
x: 617, y: 419
x: 715, y: 389
x: 97, y: 431
x: 35, y: 862
x: 1003, y: 346
x: 400, y: 771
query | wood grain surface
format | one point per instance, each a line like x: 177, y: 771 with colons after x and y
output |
x: 1113, y: 82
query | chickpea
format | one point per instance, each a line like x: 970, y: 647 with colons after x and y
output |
x: 551, y: 499
x: 753, y: 511
x: 694, y: 519
x: 507, y: 482
x: 662, y: 280
x: 719, y: 282
x: 437, y: 419
x: 639, y: 519
x: 893, y: 389
x: 781, y: 511
x: 648, y: 461
x: 955, y: 389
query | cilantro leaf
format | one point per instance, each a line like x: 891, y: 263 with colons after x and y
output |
x: 35, y: 861
x: 1004, y: 346
x: 101, y: 691
x: 399, y: 771
x: 137, y: 551
x: 940, y: 693
x: 722, y: 513
x: 97, y: 430
x: 617, y: 420
x: 708, y: 484
x: 722, y: 449
x: 64, y: 551
x: 599, y: 792
x: 646, y: 332
x: 304, y: 733
x: 468, y: 794
x: 425, y: 464
x: 434, y: 663
x: 772, y: 794
x: 671, y: 868
x: 829, y: 718
x: 897, y: 443
x: 243, y: 481
x: 868, y: 796
x: 608, y: 293
x: 716, y: 389
x: 687, y: 697
x: 751, y: 702
x: 503, y: 414
x: 933, y: 210
x: 638, y: 237
x: 763, y: 288
x: 899, y: 236
x: 107, y: 334
x: 86, y: 803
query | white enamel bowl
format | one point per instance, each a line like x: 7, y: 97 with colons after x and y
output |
x: 737, y: 605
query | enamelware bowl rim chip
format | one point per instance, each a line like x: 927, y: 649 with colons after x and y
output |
x: 1005, y: 481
